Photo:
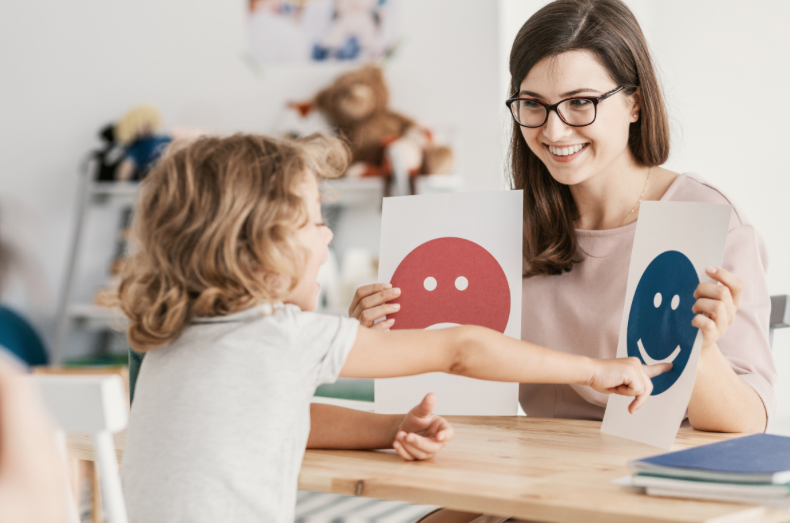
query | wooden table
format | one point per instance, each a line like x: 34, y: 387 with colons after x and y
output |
x: 534, y: 468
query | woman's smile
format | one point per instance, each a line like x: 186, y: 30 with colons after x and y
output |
x: 565, y: 153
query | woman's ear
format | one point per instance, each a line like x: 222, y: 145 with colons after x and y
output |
x: 636, y: 105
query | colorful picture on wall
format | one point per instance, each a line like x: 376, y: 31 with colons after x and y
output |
x: 668, y: 261
x: 309, y: 31
x: 453, y: 267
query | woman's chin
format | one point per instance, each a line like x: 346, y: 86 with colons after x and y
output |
x: 569, y: 176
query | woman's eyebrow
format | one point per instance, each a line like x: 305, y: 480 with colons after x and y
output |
x: 563, y: 95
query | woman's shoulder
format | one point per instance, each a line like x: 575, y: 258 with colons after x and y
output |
x: 691, y: 187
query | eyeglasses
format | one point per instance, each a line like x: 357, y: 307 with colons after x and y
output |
x: 578, y: 111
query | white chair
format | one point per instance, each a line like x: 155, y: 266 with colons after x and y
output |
x: 96, y: 405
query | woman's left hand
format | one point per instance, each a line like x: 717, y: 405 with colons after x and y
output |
x: 716, y: 304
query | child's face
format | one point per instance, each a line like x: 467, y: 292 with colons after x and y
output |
x: 315, y: 235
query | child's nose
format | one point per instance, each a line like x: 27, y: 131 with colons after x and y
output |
x: 329, y: 234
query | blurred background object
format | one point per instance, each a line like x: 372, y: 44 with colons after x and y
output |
x: 302, y: 31
x: 33, y: 480
x: 139, y: 131
x: 20, y: 273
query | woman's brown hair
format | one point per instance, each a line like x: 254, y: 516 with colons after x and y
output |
x: 608, y: 30
x: 215, y: 228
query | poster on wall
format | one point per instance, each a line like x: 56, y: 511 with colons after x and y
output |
x: 310, y: 31
x: 457, y: 260
x: 674, y: 243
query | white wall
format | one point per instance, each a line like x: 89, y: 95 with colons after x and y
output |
x: 724, y: 69
x: 70, y: 67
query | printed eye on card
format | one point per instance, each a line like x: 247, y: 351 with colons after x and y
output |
x: 457, y: 260
x: 674, y: 243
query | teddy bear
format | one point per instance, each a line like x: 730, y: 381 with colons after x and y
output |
x: 356, y: 105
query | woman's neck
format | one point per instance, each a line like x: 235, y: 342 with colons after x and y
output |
x: 610, y: 198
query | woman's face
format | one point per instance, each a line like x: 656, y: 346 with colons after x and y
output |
x: 603, y: 144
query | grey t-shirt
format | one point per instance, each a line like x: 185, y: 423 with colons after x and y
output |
x: 221, y: 417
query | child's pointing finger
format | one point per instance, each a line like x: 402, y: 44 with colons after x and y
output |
x: 654, y: 370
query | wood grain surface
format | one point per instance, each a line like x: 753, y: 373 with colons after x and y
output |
x: 538, y: 469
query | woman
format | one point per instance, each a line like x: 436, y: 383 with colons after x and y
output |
x: 590, y: 133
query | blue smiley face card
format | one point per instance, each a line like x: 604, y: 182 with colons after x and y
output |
x: 674, y: 243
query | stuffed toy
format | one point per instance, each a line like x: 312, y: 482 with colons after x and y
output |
x: 356, y: 106
x: 138, y: 131
x: 110, y: 156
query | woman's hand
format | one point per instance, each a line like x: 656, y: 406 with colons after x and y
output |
x: 716, y: 304
x: 627, y: 377
x: 370, y: 304
x: 422, y: 433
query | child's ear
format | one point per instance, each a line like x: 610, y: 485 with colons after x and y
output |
x: 276, y: 285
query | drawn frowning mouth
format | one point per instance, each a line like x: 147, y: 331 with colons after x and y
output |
x: 650, y: 361
x: 437, y: 326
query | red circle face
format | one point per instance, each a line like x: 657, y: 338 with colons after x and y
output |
x: 451, y: 280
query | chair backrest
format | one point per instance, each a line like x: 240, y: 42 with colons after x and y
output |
x: 780, y: 314
x: 96, y: 404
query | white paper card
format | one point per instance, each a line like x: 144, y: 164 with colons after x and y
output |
x: 674, y: 243
x: 457, y: 260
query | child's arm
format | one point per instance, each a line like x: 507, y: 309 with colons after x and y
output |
x: 482, y: 353
x: 420, y: 434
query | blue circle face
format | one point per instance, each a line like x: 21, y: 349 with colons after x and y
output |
x: 659, y: 325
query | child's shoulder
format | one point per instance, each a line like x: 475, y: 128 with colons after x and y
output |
x: 312, y: 326
x: 271, y: 321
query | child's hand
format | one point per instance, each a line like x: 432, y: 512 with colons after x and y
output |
x: 718, y: 302
x: 627, y: 377
x: 370, y: 304
x: 422, y: 433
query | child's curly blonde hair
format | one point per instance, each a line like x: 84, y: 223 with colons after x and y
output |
x: 215, y: 227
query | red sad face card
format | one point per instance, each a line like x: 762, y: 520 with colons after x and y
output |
x: 451, y: 281
x: 457, y: 260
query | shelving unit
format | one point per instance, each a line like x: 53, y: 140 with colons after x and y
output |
x: 363, y: 191
x: 87, y: 315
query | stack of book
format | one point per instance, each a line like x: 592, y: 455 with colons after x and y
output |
x: 751, y: 469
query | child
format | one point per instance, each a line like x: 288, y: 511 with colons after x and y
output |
x: 229, y: 238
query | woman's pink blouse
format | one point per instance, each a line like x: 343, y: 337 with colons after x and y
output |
x: 579, y: 312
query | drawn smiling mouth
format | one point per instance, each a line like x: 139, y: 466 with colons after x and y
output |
x: 650, y: 361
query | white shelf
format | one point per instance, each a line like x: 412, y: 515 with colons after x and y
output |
x: 115, y: 192
x: 354, y: 191
x: 349, y: 191
x: 367, y: 191
x: 97, y: 316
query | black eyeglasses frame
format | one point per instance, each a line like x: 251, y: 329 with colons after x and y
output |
x: 595, y: 100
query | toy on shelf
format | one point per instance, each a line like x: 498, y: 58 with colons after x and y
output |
x: 138, y: 130
x: 356, y: 106
x: 110, y: 156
